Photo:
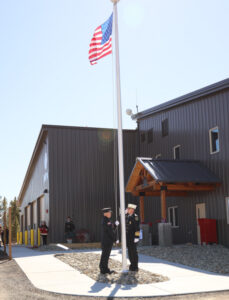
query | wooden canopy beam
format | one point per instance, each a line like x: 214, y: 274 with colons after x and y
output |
x: 175, y: 187
x: 135, y: 177
x: 142, y: 210
x: 194, y: 187
x: 151, y: 184
x: 158, y: 193
x: 163, y: 205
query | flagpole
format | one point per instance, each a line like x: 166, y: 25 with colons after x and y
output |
x: 120, y: 139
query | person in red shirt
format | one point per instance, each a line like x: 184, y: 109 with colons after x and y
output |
x: 44, y: 232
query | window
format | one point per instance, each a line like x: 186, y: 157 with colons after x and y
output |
x: 172, y: 216
x: 158, y: 156
x: 143, y: 137
x: 214, y: 140
x: 165, y: 127
x: 150, y: 136
x: 227, y: 209
x: 176, y: 152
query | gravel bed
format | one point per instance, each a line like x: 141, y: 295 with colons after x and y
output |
x: 88, y: 264
x: 213, y: 258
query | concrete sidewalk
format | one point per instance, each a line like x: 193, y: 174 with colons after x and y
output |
x: 50, y: 274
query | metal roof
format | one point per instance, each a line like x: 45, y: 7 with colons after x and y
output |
x: 210, y: 89
x: 36, y: 152
x: 175, y: 171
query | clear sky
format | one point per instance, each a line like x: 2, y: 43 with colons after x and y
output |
x: 167, y: 49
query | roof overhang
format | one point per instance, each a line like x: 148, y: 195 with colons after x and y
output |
x: 177, y: 178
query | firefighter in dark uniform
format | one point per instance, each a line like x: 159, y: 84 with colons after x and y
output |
x: 108, y: 230
x: 132, y: 236
x: 69, y: 229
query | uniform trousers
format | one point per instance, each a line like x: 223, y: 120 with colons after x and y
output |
x: 44, y: 239
x: 133, y: 256
x: 106, y: 251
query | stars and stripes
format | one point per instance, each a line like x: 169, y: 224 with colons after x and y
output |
x: 101, y: 43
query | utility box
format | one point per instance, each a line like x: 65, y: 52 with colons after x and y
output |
x: 165, y: 234
x: 146, y: 235
x: 208, y: 232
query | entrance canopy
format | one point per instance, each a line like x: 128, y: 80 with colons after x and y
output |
x: 173, y: 178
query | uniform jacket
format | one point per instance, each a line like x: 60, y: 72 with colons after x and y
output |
x: 107, y: 232
x: 44, y: 230
x: 69, y: 227
x: 132, y: 228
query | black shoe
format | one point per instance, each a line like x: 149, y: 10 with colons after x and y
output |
x: 133, y: 269
x: 107, y: 272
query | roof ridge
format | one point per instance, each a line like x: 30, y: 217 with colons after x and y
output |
x: 220, y: 85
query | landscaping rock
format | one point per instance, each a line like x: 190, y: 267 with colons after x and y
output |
x: 213, y: 258
x: 88, y: 264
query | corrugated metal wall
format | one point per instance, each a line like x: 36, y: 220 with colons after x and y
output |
x: 81, y: 164
x: 189, y: 126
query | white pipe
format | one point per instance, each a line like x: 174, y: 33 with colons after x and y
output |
x: 120, y: 140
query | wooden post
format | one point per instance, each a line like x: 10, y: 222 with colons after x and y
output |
x: 163, y: 205
x: 10, y: 235
x: 142, y: 212
x: 4, y: 233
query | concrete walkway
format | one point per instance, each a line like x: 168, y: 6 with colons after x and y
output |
x: 50, y: 274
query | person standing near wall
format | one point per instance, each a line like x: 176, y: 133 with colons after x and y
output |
x: 69, y: 229
x: 44, y: 232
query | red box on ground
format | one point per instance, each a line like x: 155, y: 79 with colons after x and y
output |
x: 208, y: 232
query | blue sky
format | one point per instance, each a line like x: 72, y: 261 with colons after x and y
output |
x: 167, y: 48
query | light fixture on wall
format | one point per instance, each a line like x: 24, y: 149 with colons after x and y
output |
x: 129, y: 112
x: 45, y: 191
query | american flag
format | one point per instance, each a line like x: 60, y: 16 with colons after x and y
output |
x: 101, y: 43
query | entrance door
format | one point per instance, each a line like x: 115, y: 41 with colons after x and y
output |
x: 200, y: 213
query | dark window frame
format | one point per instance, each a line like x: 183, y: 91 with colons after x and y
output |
x: 143, y: 137
x: 173, y: 210
x: 214, y: 142
x: 150, y: 136
x: 165, y: 127
x: 175, y: 148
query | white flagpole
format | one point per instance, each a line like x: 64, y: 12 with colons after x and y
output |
x: 120, y: 139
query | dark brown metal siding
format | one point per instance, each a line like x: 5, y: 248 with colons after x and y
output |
x: 81, y: 164
x: 189, y: 126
